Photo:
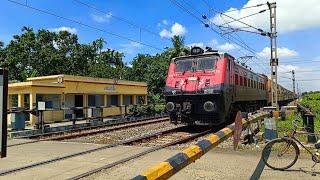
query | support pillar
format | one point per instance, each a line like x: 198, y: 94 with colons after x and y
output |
x: 105, y: 101
x: 121, y: 100
x: 146, y: 99
x: 33, y: 104
x: 85, y: 105
x: 20, y: 100
x: 134, y: 99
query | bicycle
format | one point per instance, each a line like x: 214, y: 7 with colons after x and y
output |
x: 282, y: 153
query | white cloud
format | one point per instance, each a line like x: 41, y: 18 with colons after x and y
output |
x: 214, y: 44
x: 200, y: 44
x: 101, y: 18
x: 292, y: 15
x: 283, y: 52
x: 63, y: 28
x: 176, y: 30
x: 130, y: 48
x: 227, y: 47
x: 165, y: 22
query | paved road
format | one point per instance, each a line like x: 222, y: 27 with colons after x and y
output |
x: 216, y: 164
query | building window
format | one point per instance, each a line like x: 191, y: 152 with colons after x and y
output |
x: 95, y: 100
x: 26, y: 102
x: 127, y: 100
x: 113, y: 100
x: 14, y: 100
x: 140, y: 100
x: 52, y: 100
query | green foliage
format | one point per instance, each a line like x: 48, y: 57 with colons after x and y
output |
x: 139, y: 110
x: 42, y: 52
x: 309, y: 100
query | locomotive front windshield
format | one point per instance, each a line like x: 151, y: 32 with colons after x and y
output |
x: 195, y: 64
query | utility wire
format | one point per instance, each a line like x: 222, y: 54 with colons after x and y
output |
x: 204, y: 23
x: 258, y: 5
x: 223, y: 14
x: 118, y: 18
x: 243, y: 17
x: 297, y: 71
x: 240, y: 39
x: 83, y: 24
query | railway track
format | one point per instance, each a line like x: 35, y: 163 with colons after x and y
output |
x: 124, y: 142
x: 89, y: 131
x: 166, y: 140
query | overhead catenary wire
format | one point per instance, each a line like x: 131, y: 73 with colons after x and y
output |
x: 223, y: 14
x: 205, y: 24
x: 239, y: 39
x: 83, y: 24
x: 248, y: 7
x: 250, y: 15
x: 119, y: 18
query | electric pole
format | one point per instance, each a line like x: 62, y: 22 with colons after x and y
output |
x: 274, y: 55
x: 293, y: 82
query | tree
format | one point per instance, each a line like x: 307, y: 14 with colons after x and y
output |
x: 178, y: 48
x: 44, y: 53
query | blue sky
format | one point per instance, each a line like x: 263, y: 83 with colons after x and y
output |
x: 297, y: 35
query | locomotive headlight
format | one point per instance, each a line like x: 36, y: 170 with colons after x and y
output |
x: 170, y: 106
x: 209, y: 106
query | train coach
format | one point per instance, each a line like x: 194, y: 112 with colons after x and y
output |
x: 208, y: 87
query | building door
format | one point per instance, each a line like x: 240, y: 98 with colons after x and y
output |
x: 78, y: 102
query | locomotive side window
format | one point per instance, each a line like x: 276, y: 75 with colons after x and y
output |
x: 241, y: 81
x: 245, y: 81
x: 236, y: 79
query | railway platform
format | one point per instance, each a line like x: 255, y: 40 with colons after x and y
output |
x: 219, y: 163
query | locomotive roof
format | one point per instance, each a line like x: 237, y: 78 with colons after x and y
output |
x: 219, y: 54
x: 197, y: 55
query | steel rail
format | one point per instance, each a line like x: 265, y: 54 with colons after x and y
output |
x: 106, y: 127
x: 128, y: 141
x: 179, y: 141
x: 103, y: 128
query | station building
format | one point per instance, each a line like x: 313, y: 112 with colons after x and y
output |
x: 63, y: 92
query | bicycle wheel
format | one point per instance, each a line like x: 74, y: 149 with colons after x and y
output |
x: 280, y: 153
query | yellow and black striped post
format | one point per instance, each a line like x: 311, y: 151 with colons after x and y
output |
x: 167, y: 168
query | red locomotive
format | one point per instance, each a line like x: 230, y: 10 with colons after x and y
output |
x: 208, y: 87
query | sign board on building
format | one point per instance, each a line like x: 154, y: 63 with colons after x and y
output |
x: 3, y: 111
x: 110, y: 88
x: 41, y: 105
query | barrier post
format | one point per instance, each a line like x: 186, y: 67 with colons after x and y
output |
x: 310, y: 129
x: 169, y: 167
x: 305, y: 120
x: 3, y: 111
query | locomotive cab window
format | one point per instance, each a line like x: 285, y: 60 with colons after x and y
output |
x: 196, y: 64
x: 206, y: 63
x: 183, y: 65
